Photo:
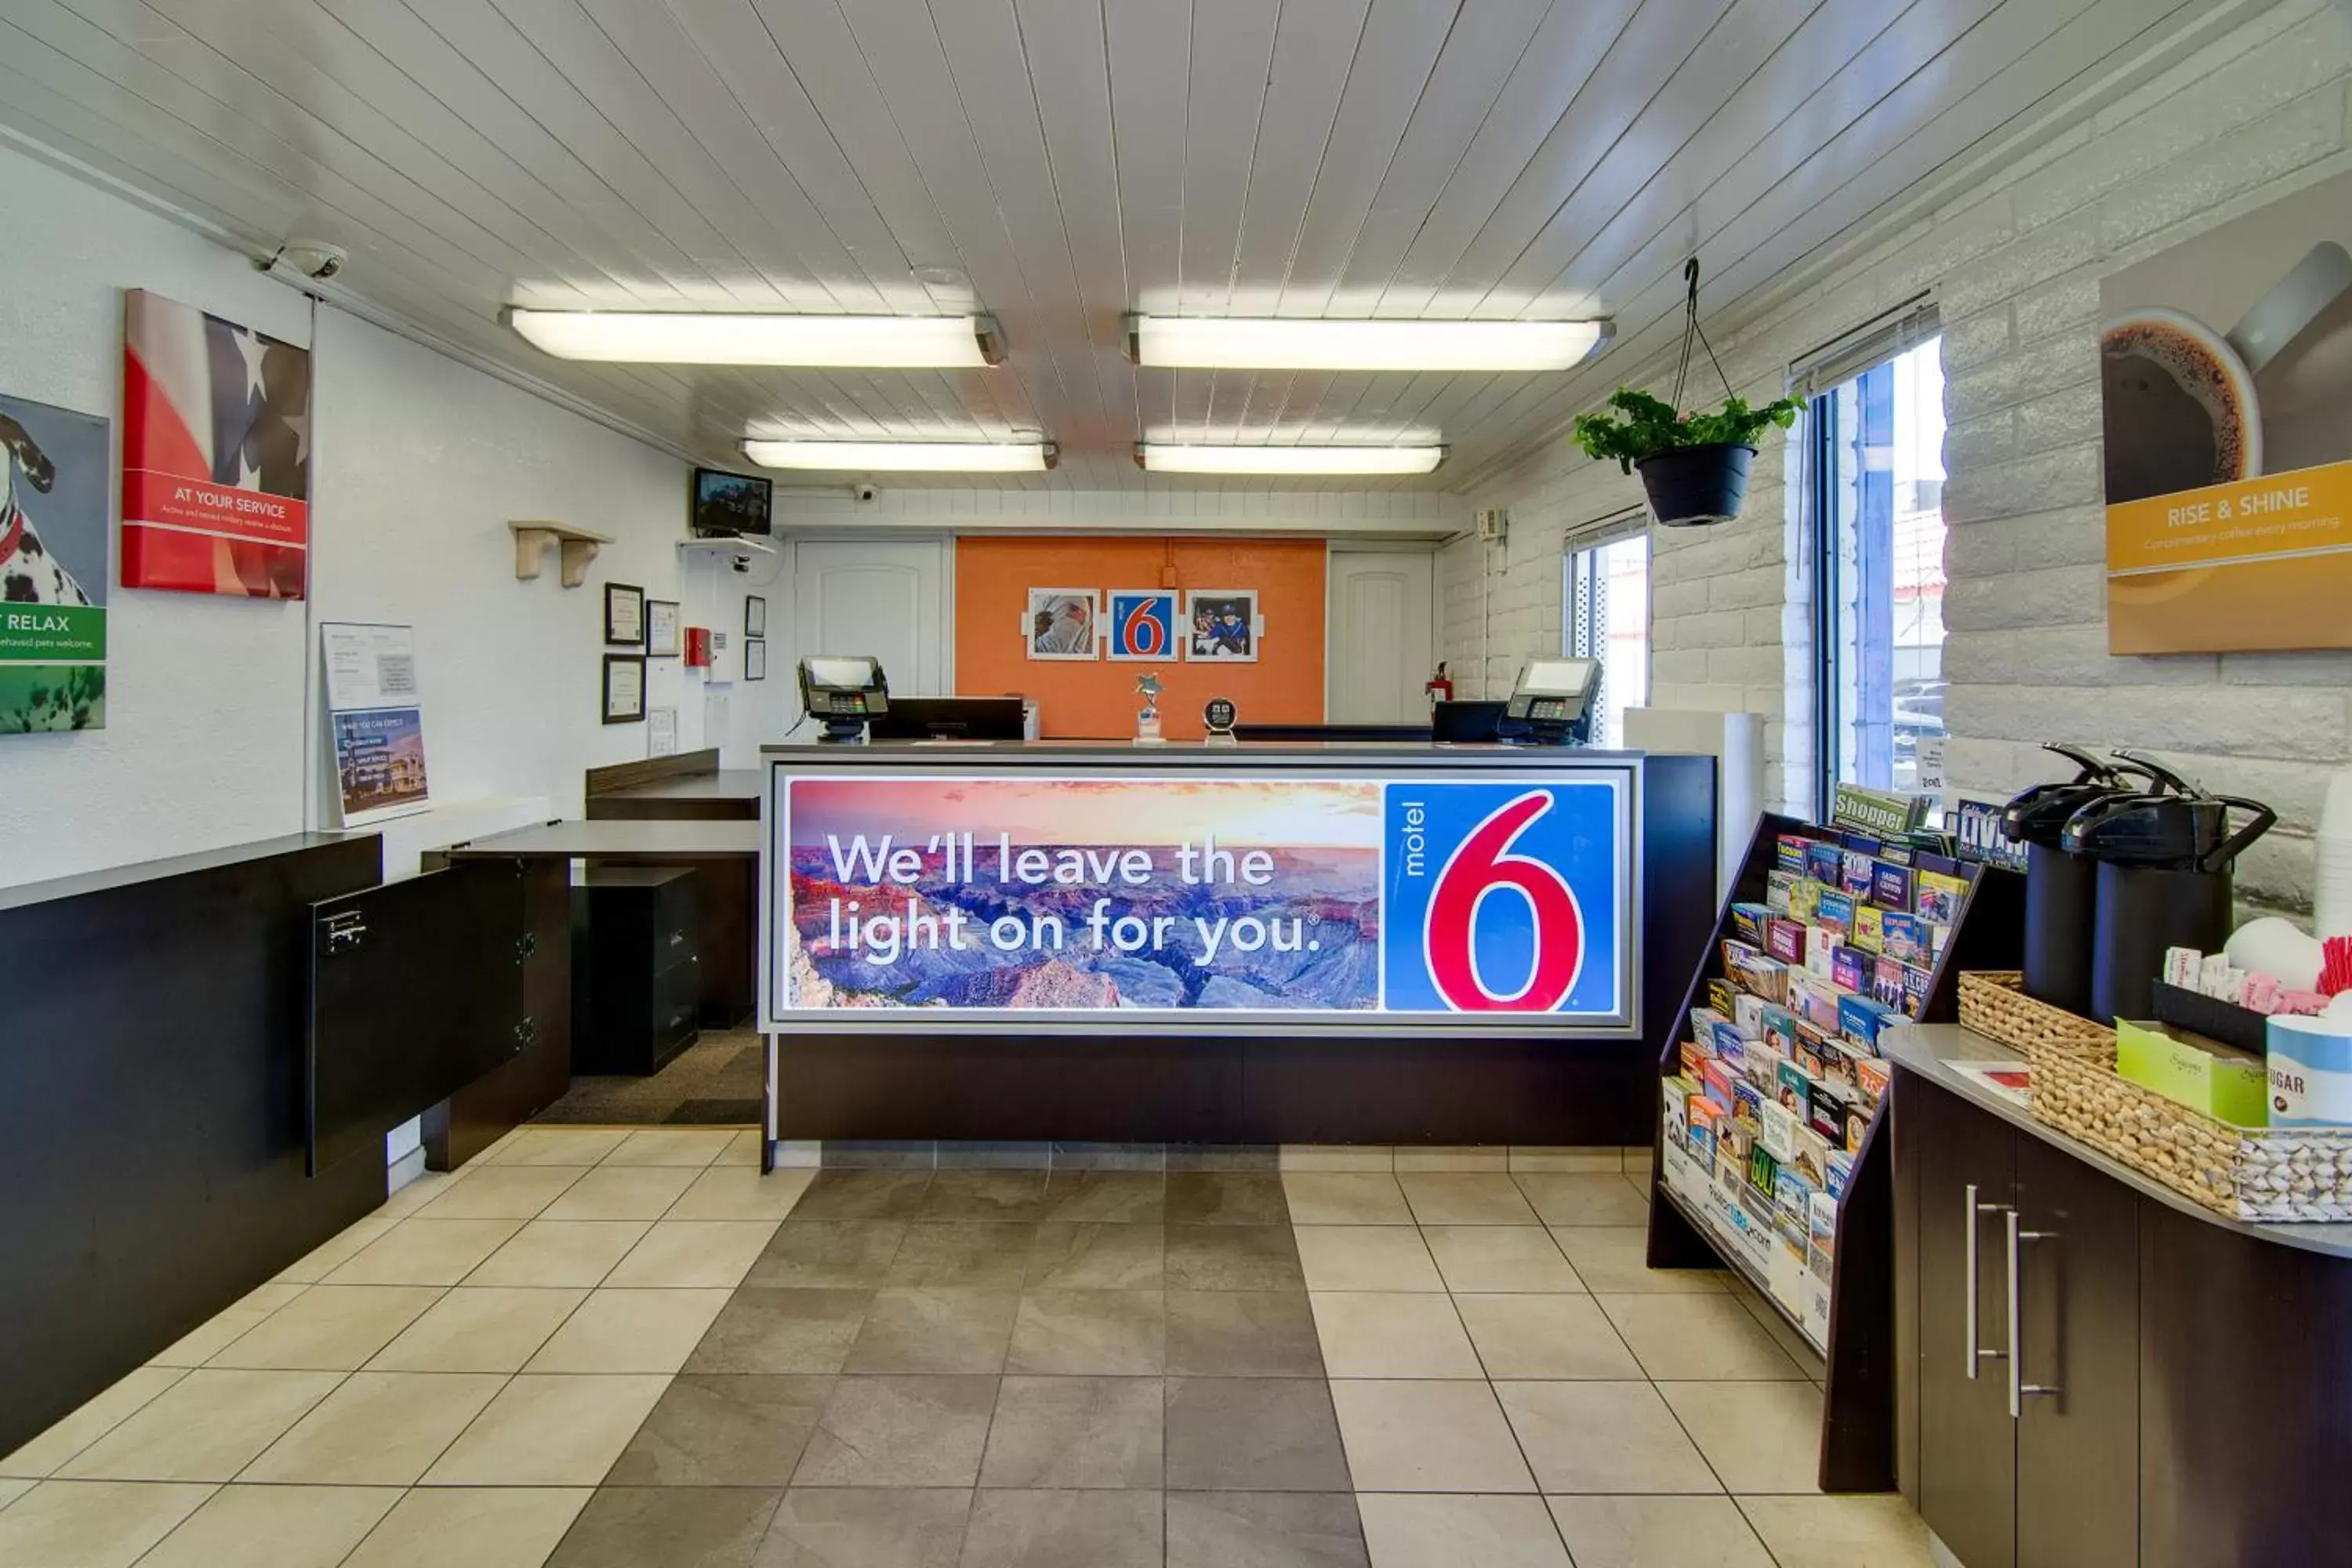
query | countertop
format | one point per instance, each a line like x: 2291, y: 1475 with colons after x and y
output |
x: 729, y: 783
x: 1930, y: 1049
x: 114, y: 876
x: 617, y: 839
x: 1195, y: 754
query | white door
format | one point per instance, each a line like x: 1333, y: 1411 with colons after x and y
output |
x: 1382, y: 647
x: 885, y: 597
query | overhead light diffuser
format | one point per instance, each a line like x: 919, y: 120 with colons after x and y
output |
x: 906, y: 457
x: 685, y: 337
x: 1174, y: 458
x: 1280, y: 343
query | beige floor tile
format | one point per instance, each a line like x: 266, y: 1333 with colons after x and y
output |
x: 479, y: 1329
x: 738, y: 1192
x: 329, y: 1328
x: 1345, y: 1197
x: 575, y: 1252
x: 425, y: 1252
x: 1336, y: 1157
x: 1456, y: 1157
x: 1427, y: 1436
x: 631, y: 1331
x: 1492, y: 1257
x: 502, y: 1192
x: 695, y: 1146
x: 559, y: 1146
x: 378, y: 1429
x: 13, y: 1486
x: 1760, y: 1436
x: 94, y: 1420
x: 472, y: 1527
x: 542, y: 1431
x: 275, y: 1527
x: 1365, y: 1257
x: 1564, y: 1161
x: 422, y: 1188
x: 207, y: 1340
x: 1531, y: 1336
x: 205, y: 1428
x: 1384, y: 1334
x: 1783, y: 1332
x: 1834, y: 1531
x: 1584, y: 1200
x: 1603, y: 1437
x: 1657, y: 1533
x: 620, y: 1191
x: 1457, y: 1197
x: 1698, y: 1338
x: 1610, y: 1259
x: 338, y: 1249
x: 1403, y: 1530
x: 695, y: 1252
x: 743, y: 1148
x: 93, y: 1524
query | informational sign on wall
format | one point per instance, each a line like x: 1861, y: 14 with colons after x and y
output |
x: 1291, y: 899
x: 2226, y: 385
x: 377, y: 724
x: 54, y: 474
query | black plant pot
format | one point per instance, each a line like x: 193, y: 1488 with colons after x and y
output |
x: 1691, y: 487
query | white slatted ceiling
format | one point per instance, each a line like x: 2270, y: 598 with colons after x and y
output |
x: 1076, y: 160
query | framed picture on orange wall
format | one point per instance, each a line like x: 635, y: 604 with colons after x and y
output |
x: 1139, y: 624
x: 1222, y: 625
x: 1061, y: 624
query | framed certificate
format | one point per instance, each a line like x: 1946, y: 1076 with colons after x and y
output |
x: 625, y: 689
x: 624, y: 616
x: 661, y: 628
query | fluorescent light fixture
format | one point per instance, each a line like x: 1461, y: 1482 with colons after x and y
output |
x: 1173, y: 457
x: 686, y: 337
x: 1282, y: 343
x: 906, y: 457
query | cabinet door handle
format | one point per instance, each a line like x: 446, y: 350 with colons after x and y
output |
x: 2018, y: 1387
x: 1976, y: 1353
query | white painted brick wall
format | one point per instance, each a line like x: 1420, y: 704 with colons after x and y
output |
x: 2015, y: 266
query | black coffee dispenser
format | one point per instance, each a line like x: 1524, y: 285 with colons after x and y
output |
x: 2166, y: 862
x: 2061, y: 888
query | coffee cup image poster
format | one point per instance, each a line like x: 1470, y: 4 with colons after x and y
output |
x: 2226, y: 400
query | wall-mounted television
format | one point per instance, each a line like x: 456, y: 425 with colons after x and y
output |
x: 729, y: 504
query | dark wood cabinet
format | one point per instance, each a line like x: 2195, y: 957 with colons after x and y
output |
x: 636, y: 967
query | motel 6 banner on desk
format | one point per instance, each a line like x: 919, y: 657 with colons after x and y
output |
x: 1467, y: 899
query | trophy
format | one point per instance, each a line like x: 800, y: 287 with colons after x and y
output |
x: 1218, y: 715
x: 1146, y: 722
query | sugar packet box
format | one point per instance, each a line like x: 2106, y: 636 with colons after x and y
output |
x: 1747, y: 922
x: 2310, y: 1071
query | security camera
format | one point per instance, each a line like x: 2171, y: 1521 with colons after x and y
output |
x: 317, y: 259
x: 865, y: 495
x: 741, y: 563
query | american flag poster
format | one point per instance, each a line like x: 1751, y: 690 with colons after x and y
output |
x: 215, y: 455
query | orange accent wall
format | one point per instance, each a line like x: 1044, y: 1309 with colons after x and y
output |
x: 1083, y: 701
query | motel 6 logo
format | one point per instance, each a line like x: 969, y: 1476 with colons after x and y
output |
x: 1503, y: 897
x: 1142, y: 624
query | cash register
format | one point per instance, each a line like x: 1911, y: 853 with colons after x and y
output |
x: 842, y: 691
x: 1552, y: 704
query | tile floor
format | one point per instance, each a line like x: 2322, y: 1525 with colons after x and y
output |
x: 599, y: 1346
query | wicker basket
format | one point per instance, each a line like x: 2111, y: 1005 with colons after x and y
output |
x: 1995, y: 1003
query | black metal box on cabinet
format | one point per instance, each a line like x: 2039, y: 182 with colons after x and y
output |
x: 636, y: 967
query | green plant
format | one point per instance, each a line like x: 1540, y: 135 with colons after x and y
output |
x: 1649, y: 426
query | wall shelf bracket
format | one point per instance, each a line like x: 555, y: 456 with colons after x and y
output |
x: 575, y: 546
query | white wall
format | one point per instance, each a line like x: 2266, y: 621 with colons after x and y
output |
x: 2015, y: 265
x: 418, y: 463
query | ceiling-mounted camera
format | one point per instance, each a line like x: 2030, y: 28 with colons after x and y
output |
x: 317, y: 259
x: 865, y: 495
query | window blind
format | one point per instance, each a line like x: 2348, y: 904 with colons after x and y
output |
x: 1894, y: 332
x: 1607, y: 529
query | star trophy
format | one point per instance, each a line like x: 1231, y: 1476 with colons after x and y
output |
x: 1146, y: 722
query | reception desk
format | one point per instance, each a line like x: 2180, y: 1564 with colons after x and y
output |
x: 1384, y: 942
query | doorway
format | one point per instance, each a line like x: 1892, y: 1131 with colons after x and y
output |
x: 1382, y: 645
x: 884, y: 597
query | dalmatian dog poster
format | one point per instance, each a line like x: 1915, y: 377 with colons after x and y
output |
x: 54, y: 470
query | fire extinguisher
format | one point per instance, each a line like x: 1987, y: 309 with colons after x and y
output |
x: 1440, y: 688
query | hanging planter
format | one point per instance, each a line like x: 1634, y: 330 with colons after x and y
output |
x: 1693, y: 466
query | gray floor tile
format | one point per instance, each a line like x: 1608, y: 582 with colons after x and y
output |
x: 872, y: 1528
x: 1225, y: 1157
x: 954, y: 1155
x: 782, y: 1331
x: 723, y: 1430
x: 827, y: 1255
x: 1244, y: 1434
x: 1233, y: 1257
x: 985, y: 1194
x: 1098, y: 1256
x: 935, y: 1330
x: 864, y: 1195
x: 1227, y: 1197
x: 1122, y: 1197
x: 1112, y: 1332
x: 1064, y: 1530
x: 1078, y: 1432
x: 880, y: 1153
x: 1110, y: 1157
x: 1263, y: 1530
x: 899, y: 1432
x: 1242, y: 1333
x: 974, y: 1253
x: 678, y: 1527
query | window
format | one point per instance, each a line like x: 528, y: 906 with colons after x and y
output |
x: 1873, y: 460
x: 1608, y: 618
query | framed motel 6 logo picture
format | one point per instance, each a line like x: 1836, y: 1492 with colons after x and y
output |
x: 1142, y: 624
